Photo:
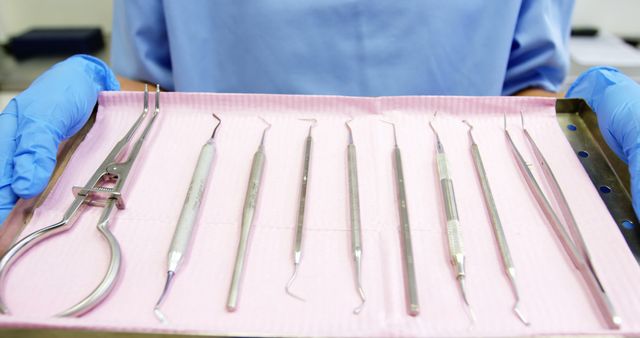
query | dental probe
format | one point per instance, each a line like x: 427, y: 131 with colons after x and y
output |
x: 188, y: 215
x: 454, y: 232
x: 297, y: 246
x: 498, y: 231
x: 411, y: 286
x: 248, y: 212
x: 354, y: 205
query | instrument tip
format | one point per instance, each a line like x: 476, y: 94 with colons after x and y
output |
x: 167, y: 284
x: 520, y: 315
x: 160, y: 316
x: 357, y: 310
x: 290, y: 282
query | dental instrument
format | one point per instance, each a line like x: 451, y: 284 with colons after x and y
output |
x: 454, y: 231
x: 498, y: 231
x: 102, y: 189
x: 248, y: 212
x: 297, y: 246
x: 190, y: 209
x: 572, y: 240
x: 354, y: 207
x: 411, y: 286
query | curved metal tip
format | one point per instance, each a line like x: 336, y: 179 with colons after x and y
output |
x: 470, y: 130
x: 395, y: 137
x: 468, y: 124
x: 431, y: 123
x: 313, y: 121
x: 217, y: 125
x: 357, y: 310
x: 167, y: 284
x: 520, y: 315
x: 350, y: 130
x: 288, y: 286
x: 160, y: 316
x: 264, y: 132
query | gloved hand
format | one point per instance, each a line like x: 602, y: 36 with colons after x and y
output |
x: 615, y: 98
x: 52, y: 109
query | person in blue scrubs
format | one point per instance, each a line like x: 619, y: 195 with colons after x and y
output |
x: 354, y: 47
x: 338, y: 47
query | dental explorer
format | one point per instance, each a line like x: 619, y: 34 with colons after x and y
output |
x: 297, y: 246
x: 498, y: 231
x: 354, y: 207
x: 572, y: 241
x: 95, y: 192
x: 454, y: 232
x: 248, y: 212
x: 411, y: 286
x: 188, y: 215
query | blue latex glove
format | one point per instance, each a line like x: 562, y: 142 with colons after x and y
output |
x: 615, y: 98
x: 52, y: 109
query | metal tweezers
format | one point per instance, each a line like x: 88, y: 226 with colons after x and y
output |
x: 94, y: 193
x: 572, y: 240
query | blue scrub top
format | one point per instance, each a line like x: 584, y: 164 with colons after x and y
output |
x: 344, y: 47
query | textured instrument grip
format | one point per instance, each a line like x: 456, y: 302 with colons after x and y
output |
x: 191, y: 206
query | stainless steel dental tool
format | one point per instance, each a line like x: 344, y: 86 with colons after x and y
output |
x: 248, y: 212
x: 297, y: 245
x: 188, y: 215
x: 112, y: 171
x: 454, y: 232
x: 411, y: 286
x: 354, y: 207
x: 498, y: 232
x: 572, y: 240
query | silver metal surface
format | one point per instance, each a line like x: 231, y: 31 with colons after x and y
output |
x: 188, y: 216
x: 454, y: 231
x: 571, y: 240
x: 411, y: 285
x: 302, y: 201
x: 110, y: 171
x: 354, y: 207
x: 498, y: 231
x: 248, y: 212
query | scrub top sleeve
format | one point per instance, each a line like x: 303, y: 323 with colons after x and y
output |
x: 140, y: 44
x: 539, y: 55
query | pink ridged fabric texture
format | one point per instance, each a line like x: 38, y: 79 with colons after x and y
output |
x: 58, y: 273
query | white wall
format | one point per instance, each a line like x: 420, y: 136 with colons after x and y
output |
x: 621, y: 17
x: 16, y: 16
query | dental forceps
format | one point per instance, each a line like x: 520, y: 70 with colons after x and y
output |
x: 297, y: 246
x: 354, y: 207
x: 572, y: 240
x: 454, y: 232
x: 411, y: 286
x: 112, y: 170
x: 184, y: 228
x: 498, y: 231
x: 248, y: 212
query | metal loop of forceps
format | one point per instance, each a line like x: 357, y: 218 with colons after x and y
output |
x: 93, y: 193
x: 572, y: 241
